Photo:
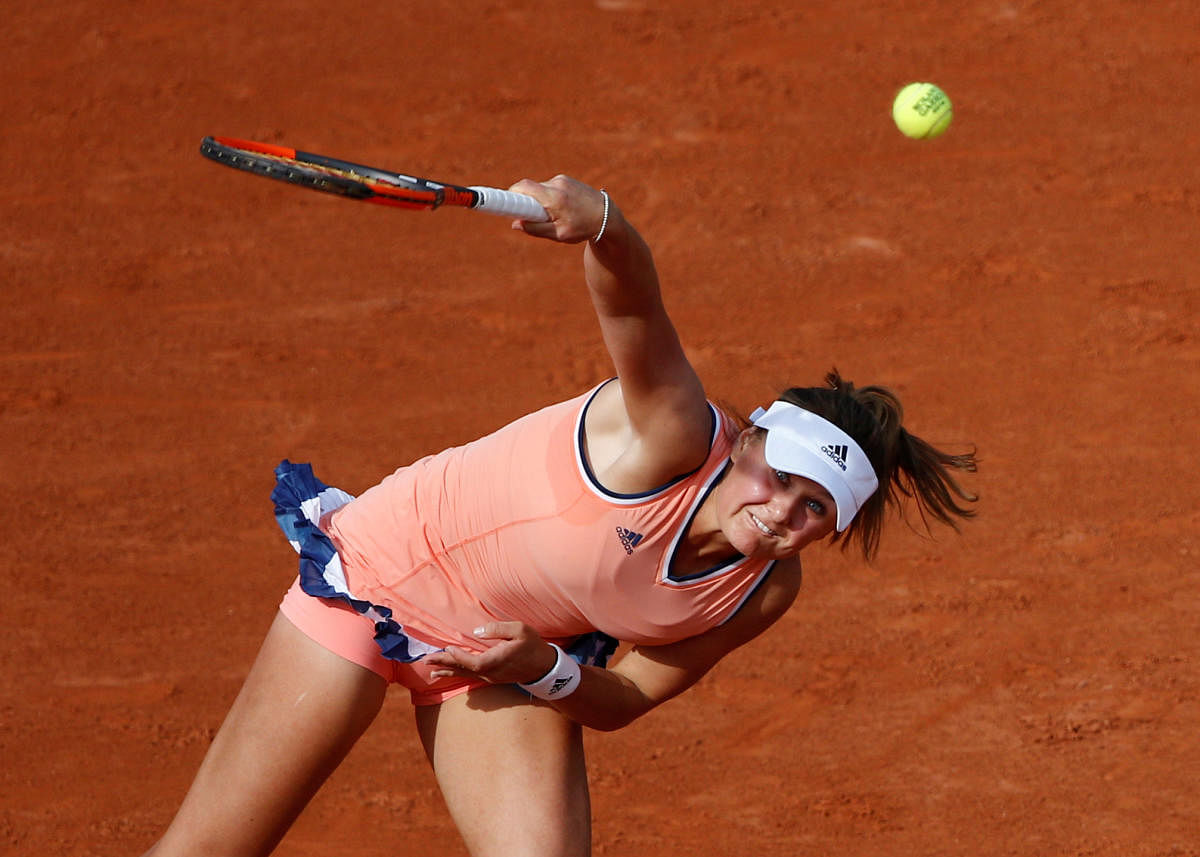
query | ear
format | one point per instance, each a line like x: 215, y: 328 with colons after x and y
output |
x: 746, y: 437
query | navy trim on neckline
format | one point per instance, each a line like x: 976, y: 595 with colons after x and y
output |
x: 712, y: 570
x: 616, y: 495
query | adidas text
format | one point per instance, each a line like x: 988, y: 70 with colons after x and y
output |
x: 837, y: 453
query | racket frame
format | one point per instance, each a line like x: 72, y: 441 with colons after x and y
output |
x: 362, y: 182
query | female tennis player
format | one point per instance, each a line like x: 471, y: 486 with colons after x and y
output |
x: 493, y: 579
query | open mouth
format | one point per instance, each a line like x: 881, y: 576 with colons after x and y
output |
x: 763, y: 528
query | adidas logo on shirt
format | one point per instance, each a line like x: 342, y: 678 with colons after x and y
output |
x: 837, y: 453
x: 629, y: 539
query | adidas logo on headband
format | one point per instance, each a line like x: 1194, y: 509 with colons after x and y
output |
x: 837, y: 453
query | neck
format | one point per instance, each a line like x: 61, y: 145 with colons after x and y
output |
x: 705, y: 543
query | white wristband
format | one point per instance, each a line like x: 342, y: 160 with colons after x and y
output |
x: 561, y: 681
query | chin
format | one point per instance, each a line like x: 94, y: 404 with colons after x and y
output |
x: 794, y: 550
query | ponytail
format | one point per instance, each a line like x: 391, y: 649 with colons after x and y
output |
x: 911, y: 471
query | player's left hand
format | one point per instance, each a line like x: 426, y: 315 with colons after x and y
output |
x: 517, y: 655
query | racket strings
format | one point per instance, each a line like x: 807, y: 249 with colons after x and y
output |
x: 325, y: 178
x: 315, y: 175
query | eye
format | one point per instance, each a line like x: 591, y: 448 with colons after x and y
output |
x: 817, y: 507
x: 782, y: 477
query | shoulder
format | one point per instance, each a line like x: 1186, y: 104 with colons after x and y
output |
x: 629, y: 456
x: 770, y: 601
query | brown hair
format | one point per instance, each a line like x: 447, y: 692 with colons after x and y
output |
x: 906, y: 465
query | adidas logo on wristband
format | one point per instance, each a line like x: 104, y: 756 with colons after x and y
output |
x: 560, y: 682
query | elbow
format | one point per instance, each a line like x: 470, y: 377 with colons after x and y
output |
x: 612, y: 724
x: 617, y: 718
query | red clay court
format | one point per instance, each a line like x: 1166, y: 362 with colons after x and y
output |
x: 1028, y: 283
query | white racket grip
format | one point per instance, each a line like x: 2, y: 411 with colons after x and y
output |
x: 508, y: 204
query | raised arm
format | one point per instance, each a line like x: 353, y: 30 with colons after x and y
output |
x: 656, y: 424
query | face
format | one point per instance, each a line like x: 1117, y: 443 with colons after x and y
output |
x: 767, y: 513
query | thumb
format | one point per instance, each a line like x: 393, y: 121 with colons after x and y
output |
x: 497, y: 631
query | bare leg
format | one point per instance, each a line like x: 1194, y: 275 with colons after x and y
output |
x: 297, y: 716
x: 512, y: 773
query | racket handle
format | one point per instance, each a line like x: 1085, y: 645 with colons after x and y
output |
x: 508, y: 204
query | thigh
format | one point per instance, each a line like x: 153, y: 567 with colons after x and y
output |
x: 512, y: 772
x: 299, y: 712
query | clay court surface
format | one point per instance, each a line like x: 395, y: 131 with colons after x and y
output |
x: 1027, y: 283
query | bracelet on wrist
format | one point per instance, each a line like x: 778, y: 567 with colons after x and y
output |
x: 604, y: 222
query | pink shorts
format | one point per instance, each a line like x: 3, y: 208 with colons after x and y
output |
x: 336, y: 626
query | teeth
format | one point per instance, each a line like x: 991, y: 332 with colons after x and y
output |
x: 767, y: 530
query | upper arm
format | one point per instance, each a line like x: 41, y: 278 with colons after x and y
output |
x: 662, y: 672
x: 658, y: 424
x: 639, y: 334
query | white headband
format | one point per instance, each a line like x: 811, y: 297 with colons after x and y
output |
x: 804, y: 444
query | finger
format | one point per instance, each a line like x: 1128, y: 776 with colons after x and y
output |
x: 497, y: 631
x: 536, y: 228
x: 455, y: 660
x: 544, y: 229
x: 550, y: 196
x: 461, y: 657
x: 530, y: 188
x: 450, y: 673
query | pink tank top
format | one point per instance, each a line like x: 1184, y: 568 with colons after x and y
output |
x: 514, y: 526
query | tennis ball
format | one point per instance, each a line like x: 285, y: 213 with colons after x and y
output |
x: 922, y: 111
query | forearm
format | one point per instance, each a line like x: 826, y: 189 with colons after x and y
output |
x: 620, y: 271
x: 604, y: 700
x: 638, y: 333
x: 623, y: 285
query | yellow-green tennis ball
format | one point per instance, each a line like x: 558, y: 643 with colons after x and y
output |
x: 922, y: 111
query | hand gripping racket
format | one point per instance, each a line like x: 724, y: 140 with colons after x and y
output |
x: 368, y: 184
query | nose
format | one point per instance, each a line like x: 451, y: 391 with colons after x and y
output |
x: 786, y: 509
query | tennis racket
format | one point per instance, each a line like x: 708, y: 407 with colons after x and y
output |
x: 360, y: 182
